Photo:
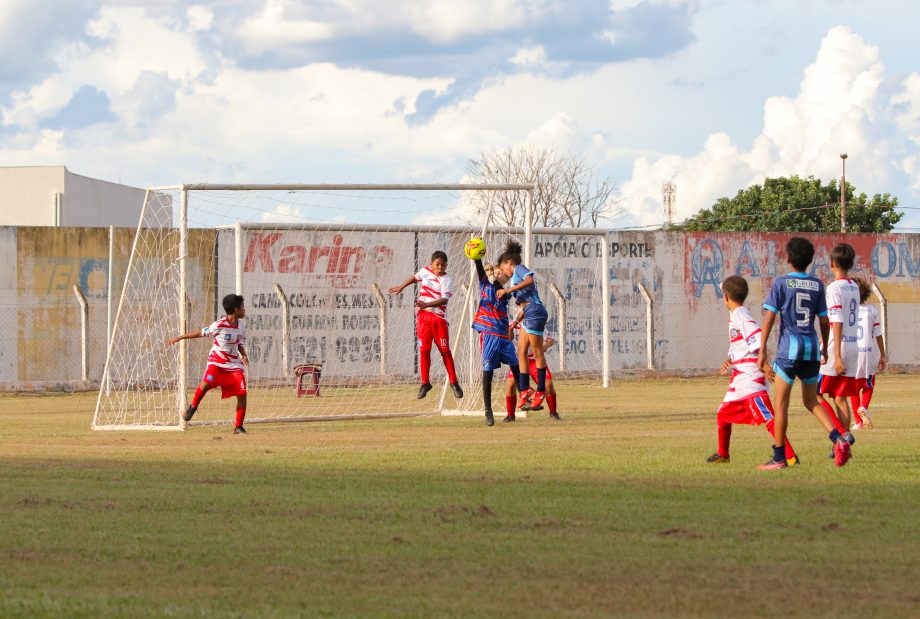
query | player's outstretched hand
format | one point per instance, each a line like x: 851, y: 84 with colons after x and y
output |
x: 394, y: 290
x: 173, y: 340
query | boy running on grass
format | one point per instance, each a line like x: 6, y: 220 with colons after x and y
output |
x: 226, y: 359
x: 747, y: 400
x: 798, y: 298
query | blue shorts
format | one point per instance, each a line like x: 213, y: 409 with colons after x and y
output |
x: 495, y: 351
x: 790, y: 369
x: 535, y: 317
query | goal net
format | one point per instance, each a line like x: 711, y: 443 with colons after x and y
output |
x: 325, y: 338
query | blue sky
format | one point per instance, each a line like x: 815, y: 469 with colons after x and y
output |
x: 711, y: 95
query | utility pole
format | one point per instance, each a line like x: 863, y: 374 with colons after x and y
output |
x: 843, y: 194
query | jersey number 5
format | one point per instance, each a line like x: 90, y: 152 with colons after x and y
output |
x: 802, y: 313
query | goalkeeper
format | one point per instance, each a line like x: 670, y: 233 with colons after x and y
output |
x: 491, y: 321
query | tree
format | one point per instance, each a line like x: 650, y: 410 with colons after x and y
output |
x: 568, y: 192
x: 796, y: 205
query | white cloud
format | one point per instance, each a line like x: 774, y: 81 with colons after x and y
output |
x: 199, y: 17
x: 529, y: 56
x: 272, y: 28
x: 838, y: 109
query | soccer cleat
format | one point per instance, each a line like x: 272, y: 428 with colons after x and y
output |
x: 537, y: 399
x: 773, y: 465
x: 189, y: 412
x: 717, y: 459
x: 239, y: 430
x: 857, y: 425
x: 524, y: 399
x: 458, y: 392
x: 841, y: 453
x: 490, y: 420
x: 555, y: 416
x: 867, y: 418
x: 849, y: 438
x: 509, y: 418
x: 423, y: 390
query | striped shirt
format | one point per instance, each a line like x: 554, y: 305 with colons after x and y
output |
x: 492, y: 314
x: 743, y: 349
x: 433, y: 287
x: 225, y: 352
x: 798, y: 298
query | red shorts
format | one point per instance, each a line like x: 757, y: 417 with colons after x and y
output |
x: 533, y: 371
x: 231, y: 382
x: 838, y: 386
x: 752, y: 410
x: 865, y: 383
x: 431, y: 328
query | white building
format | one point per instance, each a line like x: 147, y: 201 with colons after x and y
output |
x: 55, y: 196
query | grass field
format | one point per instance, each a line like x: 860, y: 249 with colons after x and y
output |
x: 612, y: 512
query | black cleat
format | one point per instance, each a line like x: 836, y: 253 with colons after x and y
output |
x: 458, y: 392
x: 509, y: 418
x: 239, y: 430
x: 423, y: 390
x: 189, y: 412
x: 554, y: 416
x: 490, y: 420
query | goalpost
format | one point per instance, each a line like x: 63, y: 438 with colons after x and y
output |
x: 325, y: 338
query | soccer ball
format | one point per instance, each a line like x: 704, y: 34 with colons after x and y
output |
x: 475, y: 249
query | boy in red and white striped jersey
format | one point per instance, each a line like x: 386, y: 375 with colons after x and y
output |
x: 747, y: 400
x: 436, y: 288
x: 226, y: 359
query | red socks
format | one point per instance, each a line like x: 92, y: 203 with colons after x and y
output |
x: 424, y: 365
x: 449, y: 366
x: 829, y: 409
x: 551, y: 402
x: 196, y: 400
x: 240, y: 415
x: 509, y: 404
x: 725, y: 436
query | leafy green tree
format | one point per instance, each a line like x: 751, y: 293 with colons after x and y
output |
x: 796, y: 205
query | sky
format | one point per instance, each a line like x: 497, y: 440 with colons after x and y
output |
x: 712, y: 95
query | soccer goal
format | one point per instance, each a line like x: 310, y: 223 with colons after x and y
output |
x: 325, y: 338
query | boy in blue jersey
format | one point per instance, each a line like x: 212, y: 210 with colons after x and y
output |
x: 491, y: 321
x: 798, y: 298
x: 524, y: 289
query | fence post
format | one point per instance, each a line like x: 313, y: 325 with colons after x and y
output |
x: 110, y: 302
x: 561, y: 305
x: 883, y: 311
x: 285, y: 328
x: 605, y: 309
x: 649, y: 326
x: 84, y: 332
x: 383, y: 328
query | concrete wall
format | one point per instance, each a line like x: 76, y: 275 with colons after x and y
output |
x: 328, y: 277
x: 27, y: 199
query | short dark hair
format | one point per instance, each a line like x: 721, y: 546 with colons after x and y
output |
x: 843, y: 255
x: 800, y: 252
x: 439, y: 254
x: 512, y: 252
x: 865, y: 290
x: 735, y: 288
x: 231, y: 302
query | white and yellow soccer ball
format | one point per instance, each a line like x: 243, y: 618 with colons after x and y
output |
x: 475, y: 249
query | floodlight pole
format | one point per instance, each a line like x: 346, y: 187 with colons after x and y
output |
x: 843, y: 194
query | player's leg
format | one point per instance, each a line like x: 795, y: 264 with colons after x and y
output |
x: 487, y: 376
x: 866, y: 398
x: 856, y: 409
x: 762, y: 411
x: 782, y: 393
x: 510, y: 396
x: 442, y: 341
x: 825, y: 385
x: 551, y: 396
x: 203, y: 387
x: 810, y: 400
x: 843, y: 410
x: 425, y: 339
x: 240, y: 414
x: 523, y: 384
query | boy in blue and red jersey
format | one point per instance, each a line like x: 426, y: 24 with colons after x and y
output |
x: 798, y: 298
x: 491, y: 321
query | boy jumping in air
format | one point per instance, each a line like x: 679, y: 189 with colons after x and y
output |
x: 747, y: 400
x: 436, y: 288
x: 226, y: 359
x: 491, y: 321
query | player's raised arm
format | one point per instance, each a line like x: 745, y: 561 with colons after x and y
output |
x: 397, y: 289
x: 480, y: 270
x: 185, y: 336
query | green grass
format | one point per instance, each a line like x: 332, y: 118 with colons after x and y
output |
x: 613, y: 512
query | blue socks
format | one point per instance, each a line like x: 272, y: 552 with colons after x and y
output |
x: 541, y: 380
x: 779, y: 453
x: 834, y: 435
